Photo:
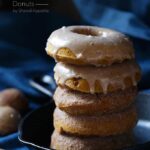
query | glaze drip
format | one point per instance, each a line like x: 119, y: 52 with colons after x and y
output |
x: 114, y: 74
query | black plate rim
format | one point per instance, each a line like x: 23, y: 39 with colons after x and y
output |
x: 24, y: 141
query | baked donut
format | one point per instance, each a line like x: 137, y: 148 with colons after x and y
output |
x: 90, y: 79
x: 87, y: 45
x: 77, y: 103
x: 70, y: 142
x: 95, y: 125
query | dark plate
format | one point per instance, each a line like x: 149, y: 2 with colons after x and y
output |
x: 36, y: 128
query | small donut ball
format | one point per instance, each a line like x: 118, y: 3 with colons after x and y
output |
x: 9, y: 120
x: 14, y: 98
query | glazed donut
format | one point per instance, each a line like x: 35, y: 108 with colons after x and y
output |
x: 70, y: 142
x: 84, y: 45
x: 91, y: 79
x: 95, y: 125
x: 77, y: 103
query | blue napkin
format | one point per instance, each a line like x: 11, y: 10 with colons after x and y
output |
x: 23, y: 38
x: 22, y: 56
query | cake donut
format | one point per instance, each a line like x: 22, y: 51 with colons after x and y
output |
x: 70, y: 142
x: 87, y: 45
x: 78, y: 103
x: 97, y: 124
x: 91, y: 79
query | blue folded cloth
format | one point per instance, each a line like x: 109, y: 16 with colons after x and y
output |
x: 124, y: 16
x: 23, y: 57
x: 23, y: 38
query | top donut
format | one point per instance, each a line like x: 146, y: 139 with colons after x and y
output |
x: 88, y: 45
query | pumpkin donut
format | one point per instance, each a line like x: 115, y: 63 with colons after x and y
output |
x: 88, y: 45
x: 97, y: 124
x: 91, y: 79
x: 78, y: 103
x: 71, y: 142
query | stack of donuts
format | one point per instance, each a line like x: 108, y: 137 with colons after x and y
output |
x: 97, y: 78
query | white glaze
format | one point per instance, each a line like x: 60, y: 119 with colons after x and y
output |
x: 103, y: 74
x: 88, y: 47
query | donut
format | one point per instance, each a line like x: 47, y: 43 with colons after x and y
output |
x: 87, y: 45
x: 97, y: 124
x: 91, y: 79
x: 77, y: 103
x: 71, y: 142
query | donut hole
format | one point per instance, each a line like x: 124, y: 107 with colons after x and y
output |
x: 85, y: 31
